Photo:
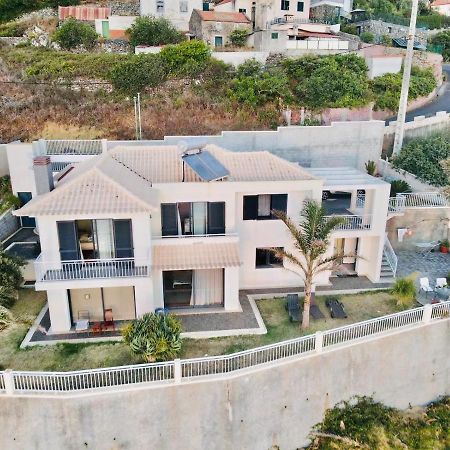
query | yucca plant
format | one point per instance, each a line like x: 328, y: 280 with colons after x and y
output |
x: 371, y: 167
x: 155, y: 337
x: 404, y: 291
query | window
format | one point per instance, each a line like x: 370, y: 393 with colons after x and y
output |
x: 205, y: 6
x: 242, y: 10
x: 265, y: 258
x: 183, y: 6
x: 260, y: 207
x: 300, y: 6
x: 192, y: 218
x: 274, y: 35
x: 160, y: 6
x: 285, y: 5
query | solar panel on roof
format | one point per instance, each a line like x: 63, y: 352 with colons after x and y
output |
x: 206, y: 166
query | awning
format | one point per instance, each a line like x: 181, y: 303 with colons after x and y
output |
x: 198, y: 255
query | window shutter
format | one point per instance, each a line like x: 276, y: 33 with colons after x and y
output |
x: 169, y: 223
x: 250, y: 207
x: 279, y: 202
x: 68, y: 241
x: 216, y: 218
x: 123, y: 238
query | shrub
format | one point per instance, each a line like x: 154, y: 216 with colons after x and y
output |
x: 404, y: 291
x: 443, y: 39
x: 10, y: 278
x: 249, y: 68
x: 155, y: 337
x: 238, y: 37
x: 386, y: 40
x: 217, y: 77
x: 12, y: 29
x: 72, y: 34
x: 367, y: 37
x: 371, y: 167
x: 422, y: 157
x: 349, y: 28
x: 188, y: 58
x: 137, y: 73
x: 399, y: 187
x: 7, y: 199
x: 6, y: 318
x: 153, y: 31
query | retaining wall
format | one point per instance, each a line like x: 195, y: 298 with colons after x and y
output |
x: 8, y: 225
x: 272, y: 406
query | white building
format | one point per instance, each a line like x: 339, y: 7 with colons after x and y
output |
x: 264, y: 13
x: 442, y: 7
x: 138, y: 227
x: 177, y: 11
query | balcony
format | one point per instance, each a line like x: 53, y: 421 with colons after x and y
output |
x: 90, y: 269
x: 417, y: 200
x: 353, y: 222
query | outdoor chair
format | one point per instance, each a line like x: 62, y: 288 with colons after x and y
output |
x: 109, y: 320
x: 426, y: 247
x: 425, y: 286
x: 293, y: 308
x: 441, y: 283
x: 315, y: 312
x: 82, y: 324
x: 336, y: 308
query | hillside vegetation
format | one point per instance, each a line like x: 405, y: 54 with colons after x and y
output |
x: 182, y: 87
x: 365, y: 424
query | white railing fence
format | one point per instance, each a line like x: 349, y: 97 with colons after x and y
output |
x: 354, y: 222
x: 391, y: 257
x: 71, y: 147
x: 417, y: 200
x: 12, y: 382
x: 90, y: 268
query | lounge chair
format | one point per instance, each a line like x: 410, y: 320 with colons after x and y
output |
x: 293, y: 308
x: 425, y: 286
x: 426, y: 247
x: 336, y: 308
x: 315, y: 312
x: 441, y: 282
x: 82, y: 324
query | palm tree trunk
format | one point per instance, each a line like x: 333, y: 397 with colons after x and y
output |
x: 306, y: 304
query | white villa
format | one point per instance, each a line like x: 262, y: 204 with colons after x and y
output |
x: 139, y: 227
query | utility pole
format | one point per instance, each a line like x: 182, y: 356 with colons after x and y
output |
x: 137, y: 117
x: 400, y: 125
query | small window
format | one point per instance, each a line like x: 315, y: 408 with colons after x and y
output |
x: 160, y: 6
x: 284, y: 5
x: 184, y: 6
x: 274, y: 35
x: 205, y: 6
x: 242, y: 10
x: 265, y: 258
x: 300, y: 6
x: 261, y: 207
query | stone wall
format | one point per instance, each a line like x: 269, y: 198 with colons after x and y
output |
x: 379, y: 28
x: 257, y: 409
x: 124, y: 8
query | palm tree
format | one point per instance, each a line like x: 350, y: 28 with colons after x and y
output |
x: 311, y: 240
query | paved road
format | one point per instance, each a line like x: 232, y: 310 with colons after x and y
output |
x: 441, y: 102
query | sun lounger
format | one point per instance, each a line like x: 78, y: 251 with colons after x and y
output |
x: 336, y: 308
x: 315, y: 312
x: 293, y: 308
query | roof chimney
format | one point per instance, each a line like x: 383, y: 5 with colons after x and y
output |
x: 43, y: 175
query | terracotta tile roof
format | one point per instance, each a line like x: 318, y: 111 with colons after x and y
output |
x: 222, y: 16
x: 95, y: 186
x: 164, y: 164
x: 198, y: 255
x: 89, y: 13
x: 440, y: 2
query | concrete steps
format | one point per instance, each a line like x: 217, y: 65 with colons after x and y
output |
x: 386, y: 275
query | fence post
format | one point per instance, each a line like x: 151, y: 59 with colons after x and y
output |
x: 427, y: 310
x: 8, y: 379
x: 177, y: 375
x: 318, y: 342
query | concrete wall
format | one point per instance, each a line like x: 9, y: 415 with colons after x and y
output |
x: 8, y: 225
x: 272, y: 406
x: 340, y: 144
x: 383, y: 64
x: 4, y: 169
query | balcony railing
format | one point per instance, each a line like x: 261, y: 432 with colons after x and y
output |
x: 417, y: 200
x: 90, y: 268
x: 353, y: 222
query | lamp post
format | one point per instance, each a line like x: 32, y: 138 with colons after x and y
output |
x: 400, y: 125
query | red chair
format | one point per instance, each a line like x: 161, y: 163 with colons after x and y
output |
x: 109, y: 320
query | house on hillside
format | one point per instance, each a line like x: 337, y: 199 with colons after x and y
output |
x: 264, y: 14
x: 214, y: 27
x: 441, y: 7
x: 176, y: 11
x: 133, y: 228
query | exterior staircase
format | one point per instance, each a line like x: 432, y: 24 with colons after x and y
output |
x: 386, y: 275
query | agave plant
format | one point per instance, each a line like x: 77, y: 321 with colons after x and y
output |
x: 6, y: 318
x: 156, y: 337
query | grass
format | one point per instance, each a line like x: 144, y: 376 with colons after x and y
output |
x: 63, y: 357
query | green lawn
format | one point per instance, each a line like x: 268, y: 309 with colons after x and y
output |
x: 83, y: 356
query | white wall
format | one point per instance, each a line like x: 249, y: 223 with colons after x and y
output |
x: 171, y: 11
x: 20, y: 157
x: 274, y: 405
x: 383, y: 64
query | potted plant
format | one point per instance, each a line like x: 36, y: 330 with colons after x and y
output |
x: 444, y: 246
